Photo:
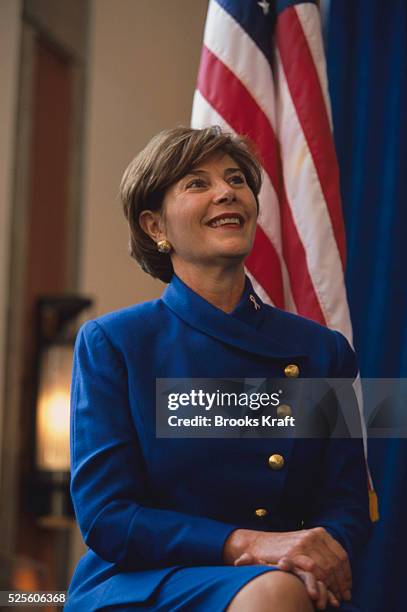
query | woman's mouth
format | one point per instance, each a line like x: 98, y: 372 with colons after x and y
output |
x: 227, y: 220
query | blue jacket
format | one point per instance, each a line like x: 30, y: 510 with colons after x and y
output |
x: 148, y: 505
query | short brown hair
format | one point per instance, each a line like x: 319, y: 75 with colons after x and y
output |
x: 165, y: 160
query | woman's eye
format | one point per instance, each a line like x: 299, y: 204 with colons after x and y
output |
x: 237, y: 179
x: 195, y: 184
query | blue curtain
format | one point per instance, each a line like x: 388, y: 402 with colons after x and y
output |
x: 367, y: 68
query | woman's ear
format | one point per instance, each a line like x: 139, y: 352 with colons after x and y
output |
x: 151, y: 223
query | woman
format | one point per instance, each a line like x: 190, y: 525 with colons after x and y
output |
x: 205, y: 524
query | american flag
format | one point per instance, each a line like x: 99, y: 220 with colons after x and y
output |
x: 262, y: 74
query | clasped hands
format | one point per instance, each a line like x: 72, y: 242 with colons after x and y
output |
x: 311, y: 554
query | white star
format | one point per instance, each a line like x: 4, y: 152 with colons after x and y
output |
x: 265, y: 6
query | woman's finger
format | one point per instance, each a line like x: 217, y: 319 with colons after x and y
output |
x: 331, y: 560
x: 324, y: 565
x: 340, y: 561
x: 314, y: 564
x: 286, y: 564
x: 245, y: 559
x: 332, y: 600
x: 336, y: 580
x: 309, y: 581
x: 322, y: 596
x: 342, y: 556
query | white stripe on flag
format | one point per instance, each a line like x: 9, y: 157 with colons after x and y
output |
x: 310, y: 20
x: 226, y: 39
x: 310, y: 212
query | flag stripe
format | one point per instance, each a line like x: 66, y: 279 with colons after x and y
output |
x: 247, y: 118
x: 243, y: 15
x: 240, y: 55
x: 263, y: 263
x: 310, y: 211
x: 304, y: 86
x: 310, y: 19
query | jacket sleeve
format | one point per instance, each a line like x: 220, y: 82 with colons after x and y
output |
x: 109, y: 478
x: 341, y: 505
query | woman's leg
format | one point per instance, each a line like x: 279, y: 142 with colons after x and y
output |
x: 272, y: 592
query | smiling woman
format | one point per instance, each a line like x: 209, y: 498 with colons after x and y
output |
x: 183, y: 165
x: 208, y: 217
x: 212, y: 523
x: 194, y: 191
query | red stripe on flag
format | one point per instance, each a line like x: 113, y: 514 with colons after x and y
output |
x: 219, y: 85
x: 226, y: 93
x: 308, y: 99
x: 264, y: 264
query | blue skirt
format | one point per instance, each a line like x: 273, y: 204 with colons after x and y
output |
x: 201, y: 589
x: 196, y: 589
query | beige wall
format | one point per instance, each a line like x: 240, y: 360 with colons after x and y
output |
x: 10, y: 30
x: 143, y: 60
x: 144, y: 56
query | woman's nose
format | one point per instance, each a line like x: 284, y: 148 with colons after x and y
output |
x: 226, y: 196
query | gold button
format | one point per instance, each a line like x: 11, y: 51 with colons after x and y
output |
x: 292, y: 370
x: 276, y: 462
x: 261, y: 512
x: 284, y: 410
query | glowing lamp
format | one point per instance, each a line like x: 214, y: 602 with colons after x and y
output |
x: 57, y: 326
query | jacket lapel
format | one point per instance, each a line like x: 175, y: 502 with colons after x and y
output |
x: 241, y: 328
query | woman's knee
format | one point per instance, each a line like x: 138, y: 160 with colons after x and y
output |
x: 272, y: 591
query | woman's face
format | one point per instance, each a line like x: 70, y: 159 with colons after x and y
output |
x: 209, y: 216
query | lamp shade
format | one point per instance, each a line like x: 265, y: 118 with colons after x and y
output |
x: 52, y: 423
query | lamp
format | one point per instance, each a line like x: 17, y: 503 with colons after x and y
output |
x: 56, y: 327
x: 52, y: 415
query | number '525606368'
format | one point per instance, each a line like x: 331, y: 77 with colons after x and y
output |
x: 35, y: 597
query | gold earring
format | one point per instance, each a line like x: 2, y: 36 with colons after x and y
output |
x: 163, y: 246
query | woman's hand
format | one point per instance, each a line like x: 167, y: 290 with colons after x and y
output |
x: 316, y: 589
x: 310, y: 550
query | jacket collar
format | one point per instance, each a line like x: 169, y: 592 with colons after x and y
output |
x: 240, y: 328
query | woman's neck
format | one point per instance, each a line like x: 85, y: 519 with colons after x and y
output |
x: 220, y: 287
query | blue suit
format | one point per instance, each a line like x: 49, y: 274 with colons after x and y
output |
x: 147, y: 506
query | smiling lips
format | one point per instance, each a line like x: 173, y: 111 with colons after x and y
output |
x: 229, y: 220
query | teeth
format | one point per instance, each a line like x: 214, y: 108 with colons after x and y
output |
x: 225, y: 220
